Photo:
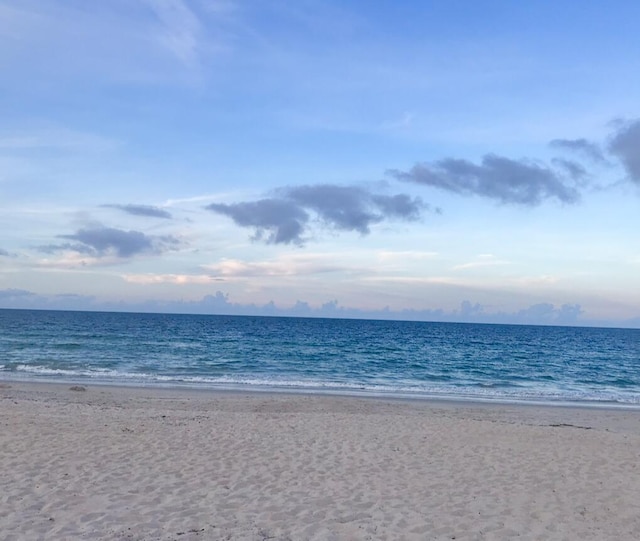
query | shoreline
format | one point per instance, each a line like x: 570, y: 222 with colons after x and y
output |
x: 561, y: 412
x: 165, y: 464
x: 328, y: 391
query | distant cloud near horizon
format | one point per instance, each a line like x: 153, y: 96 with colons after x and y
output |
x: 104, y: 241
x: 142, y: 210
x: 220, y: 304
x: 285, y: 218
x: 13, y: 293
x: 519, y: 182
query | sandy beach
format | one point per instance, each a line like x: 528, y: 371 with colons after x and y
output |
x: 154, y: 464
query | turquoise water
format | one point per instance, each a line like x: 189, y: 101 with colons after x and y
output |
x: 499, y: 362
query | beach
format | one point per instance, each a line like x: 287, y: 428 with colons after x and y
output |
x: 101, y: 462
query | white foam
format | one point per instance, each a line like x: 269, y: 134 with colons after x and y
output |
x: 408, y: 389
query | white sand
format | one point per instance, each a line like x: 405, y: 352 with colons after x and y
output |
x: 112, y: 463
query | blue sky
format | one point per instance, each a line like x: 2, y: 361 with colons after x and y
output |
x: 449, y: 160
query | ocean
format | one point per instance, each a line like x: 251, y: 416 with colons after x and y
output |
x: 594, y: 366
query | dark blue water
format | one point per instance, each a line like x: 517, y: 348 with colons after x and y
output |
x: 504, y: 362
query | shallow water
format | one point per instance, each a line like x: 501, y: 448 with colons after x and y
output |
x: 500, y: 362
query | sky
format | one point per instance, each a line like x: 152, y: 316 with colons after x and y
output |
x: 451, y: 160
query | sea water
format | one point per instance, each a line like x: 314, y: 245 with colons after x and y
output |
x: 391, y: 358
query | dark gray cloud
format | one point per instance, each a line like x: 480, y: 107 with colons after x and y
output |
x: 400, y: 206
x: 102, y: 241
x: 352, y: 208
x: 4, y: 253
x: 625, y: 145
x: 580, y: 146
x: 106, y: 239
x: 502, y: 179
x: 142, y: 210
x: 343, y: 207
x: 284, y: 220
x: 276, y: 221
x: 574, y: 169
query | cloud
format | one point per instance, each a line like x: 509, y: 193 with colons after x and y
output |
x: 387, y: 256
x: 102, y: 241
x: 220, y: 303
x: 12, y: 293
x: 352, y: 208
x: 508, y: 181
x: 4, y: 253
x: 157, y: 41
x: 142, y: 210
x: 344, y: 207
x: 181, y: 29
x: 284, y: 219
x: 580, y: 146
x: 483, y: 260
x: 23, y: 299
x: 399, y: 206
x: 546, y: 313
x: 625, y: 144
x: 107, y: 239
x: 276, y: 221
x: 536, y: 314
x: 284, y: 266
x: 175, y: 279
x: 574, y: 169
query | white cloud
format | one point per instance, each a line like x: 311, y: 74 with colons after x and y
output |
x: 535, y: 281
x: 181, y: 30
x: 482, y: 260
x: 103, y: 41
x: 73, y: 260
x: 386, y: 256
x: 176, y: 279
x: 286, y: 265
